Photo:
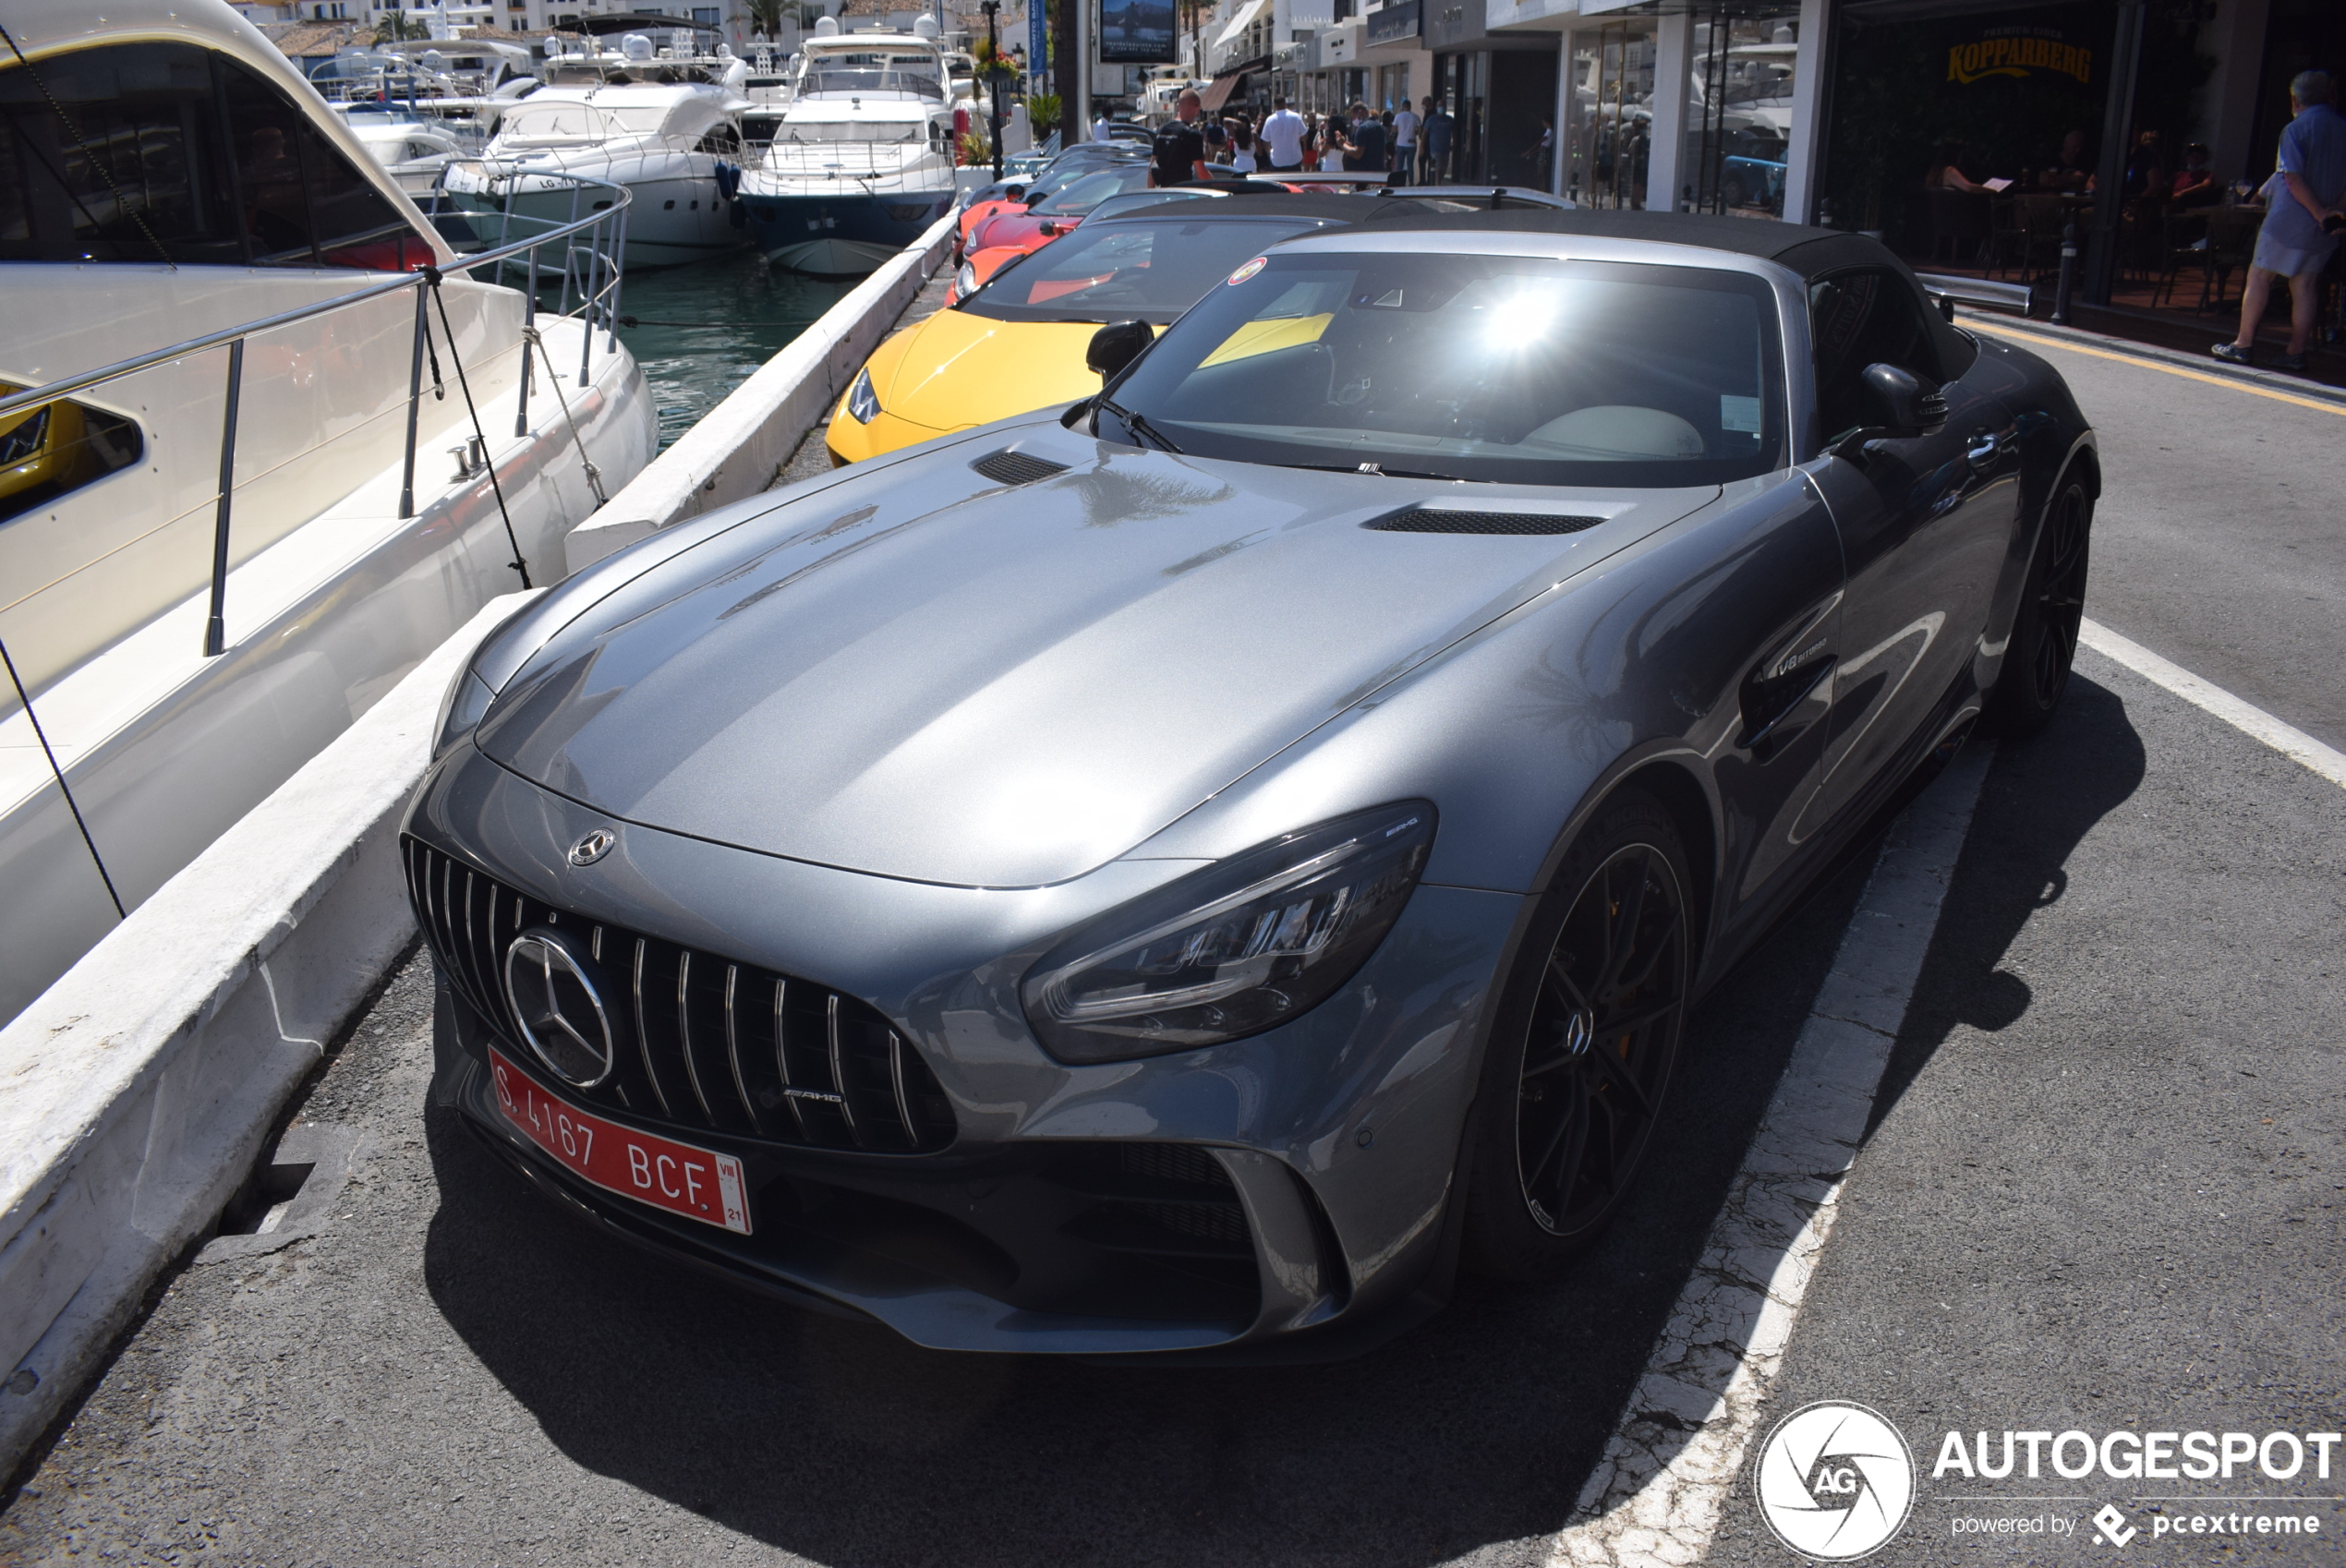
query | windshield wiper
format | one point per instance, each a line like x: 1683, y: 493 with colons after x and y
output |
x: 1382, y: 472
x: 1132, y: 422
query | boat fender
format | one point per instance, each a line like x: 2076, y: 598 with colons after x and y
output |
x: 729, y: 187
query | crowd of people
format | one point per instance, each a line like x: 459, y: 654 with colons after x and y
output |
x: 1409, y: 143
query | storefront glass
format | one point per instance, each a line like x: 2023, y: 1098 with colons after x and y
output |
x: 1609, y: 114
x: 2013, y: 94
x: 1739, y: 108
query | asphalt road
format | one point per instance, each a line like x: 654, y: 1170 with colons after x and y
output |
x: 2103, y: 1189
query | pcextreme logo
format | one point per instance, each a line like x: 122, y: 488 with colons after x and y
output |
x: 1835, y: 1480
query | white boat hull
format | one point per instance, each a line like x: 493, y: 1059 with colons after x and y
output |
x: 332, y: 596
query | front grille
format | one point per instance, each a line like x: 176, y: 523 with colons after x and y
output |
x: 703, y: 1042
x: 1427, y: 519
x: 1007, y: 467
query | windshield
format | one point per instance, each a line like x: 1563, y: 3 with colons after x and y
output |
x: 811, y: 132
x: 1075, y: 200
x: 556, y: 121
x: 1128, y: 270
x: 1521, y: 369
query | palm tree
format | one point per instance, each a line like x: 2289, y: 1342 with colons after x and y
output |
x: 767, y: 16
x: 397, y: 27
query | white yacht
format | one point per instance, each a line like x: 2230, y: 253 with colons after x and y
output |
x: 658, y: 121
x: 863, y: 160
x: 211, y: 563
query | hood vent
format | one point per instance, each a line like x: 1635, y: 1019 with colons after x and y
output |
x: 1423, y: 520
x: 1007, y: 467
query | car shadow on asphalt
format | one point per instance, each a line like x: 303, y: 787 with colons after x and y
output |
x: 1470, y: 1436
x: 2040, y: 801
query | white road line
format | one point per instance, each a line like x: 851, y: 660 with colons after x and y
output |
x: 1670, y: 1469
x: 2250, y: 719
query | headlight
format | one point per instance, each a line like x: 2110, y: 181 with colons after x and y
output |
x: 862, y: 401
x: 1237, y: 949
x: 468, y: 698
x: 965, y: 281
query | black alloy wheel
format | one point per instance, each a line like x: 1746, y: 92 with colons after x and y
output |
x: 2043, y: 648
x: 1570, y: 1102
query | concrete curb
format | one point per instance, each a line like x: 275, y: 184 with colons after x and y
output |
x: 138, y: 1090
x: 738, y: 446
x: 2205, y: 364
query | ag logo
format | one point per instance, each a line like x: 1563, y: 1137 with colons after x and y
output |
x: 1835, y: 1480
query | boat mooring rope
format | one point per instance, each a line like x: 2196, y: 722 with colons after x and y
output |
x: 593, y: 475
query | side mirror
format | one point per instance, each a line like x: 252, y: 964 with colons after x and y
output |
x: 1015, y: 193
x: 1116, y: 346
x: 1902, y: 403
x: 1902, y: 406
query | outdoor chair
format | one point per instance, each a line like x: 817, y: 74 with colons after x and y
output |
x: 2042, y: 221
x: 1959, y: 223
x: 2182, y: 245
x: 2007, y: 245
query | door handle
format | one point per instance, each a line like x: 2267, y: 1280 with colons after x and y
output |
x: 1983, y: 449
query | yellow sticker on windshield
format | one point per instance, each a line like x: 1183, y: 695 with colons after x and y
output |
x: 1266, y: 337
x: 1249, y: 270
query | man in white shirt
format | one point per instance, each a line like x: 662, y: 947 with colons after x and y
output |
x: 1405, y: 142
x: 1283, y: 137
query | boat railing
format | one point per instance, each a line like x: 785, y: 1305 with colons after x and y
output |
x: 844, y: 160
x: 581, y: 253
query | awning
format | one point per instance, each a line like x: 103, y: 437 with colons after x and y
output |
x: 1239, y: 23
x: 1218, y: 91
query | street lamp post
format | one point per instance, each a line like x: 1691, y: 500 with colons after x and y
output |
x: 994, y: 80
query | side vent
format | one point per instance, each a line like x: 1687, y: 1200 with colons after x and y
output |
x: 1007, y: 467
x: 1424, y: 520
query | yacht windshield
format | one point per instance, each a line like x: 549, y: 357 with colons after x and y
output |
x: 1522, y: 369
x: 545, y: 124
x: 1128, y: 270
x: 873, y: 71
x: 814, y: 132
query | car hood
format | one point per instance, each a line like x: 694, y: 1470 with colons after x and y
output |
x: 923, y: 674
x: 956, y: 369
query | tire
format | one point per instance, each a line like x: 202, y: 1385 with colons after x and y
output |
x: 2043, y: 646
x: 1587, y: 1033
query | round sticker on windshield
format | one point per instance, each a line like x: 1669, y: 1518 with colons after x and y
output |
x: 1249, y: 270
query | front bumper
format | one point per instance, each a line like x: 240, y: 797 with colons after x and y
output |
x: 1283, y: 1195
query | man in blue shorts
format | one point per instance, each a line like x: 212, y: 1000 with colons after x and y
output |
x: 2295, y: 242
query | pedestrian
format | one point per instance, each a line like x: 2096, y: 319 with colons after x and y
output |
x: 1242, y: 147
x: 1435, y: 137
x: 1537, y: 153
x: 2296, y: 242
x: 1364, y: 149
x: 1178, y: 154
x: 1283, y: 136
x: 1405, y: 142
x: 1332, y: 132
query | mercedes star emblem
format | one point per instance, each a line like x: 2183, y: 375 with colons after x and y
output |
x: 594, y: 846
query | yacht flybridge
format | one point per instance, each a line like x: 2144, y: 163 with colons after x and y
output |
x: 862, y: 161
x: 266, y: 439
x: 657, y: 121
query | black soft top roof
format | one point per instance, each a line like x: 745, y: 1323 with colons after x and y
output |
x: 1808, y: 251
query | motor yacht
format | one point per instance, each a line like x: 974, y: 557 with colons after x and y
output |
x: 862, y: 162
x: 656, y: 121
x: 266, y: 441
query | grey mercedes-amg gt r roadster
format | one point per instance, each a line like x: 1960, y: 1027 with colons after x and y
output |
x: 1184, y: 873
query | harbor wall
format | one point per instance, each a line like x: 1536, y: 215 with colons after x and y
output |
x: 140, y: 1089
x: 739, y: 447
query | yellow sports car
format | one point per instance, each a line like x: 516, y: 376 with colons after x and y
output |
x: 1017, y: 342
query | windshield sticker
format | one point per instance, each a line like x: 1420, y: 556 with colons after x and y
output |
x: 1739, y: 414
x: 1248, y: 271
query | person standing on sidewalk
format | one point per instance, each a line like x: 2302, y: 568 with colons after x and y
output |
x: 1435, y: 136
x: 1283, y: 136
x: 1405, y: 142
x: 2300, y: 198
x: 1177, y: 155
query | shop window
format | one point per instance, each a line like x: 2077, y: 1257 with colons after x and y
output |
x: 1867, y: 317
x: 59, y: 447
x: 165, y: 152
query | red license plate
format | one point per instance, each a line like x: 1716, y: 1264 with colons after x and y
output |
x: 696, y: 1183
